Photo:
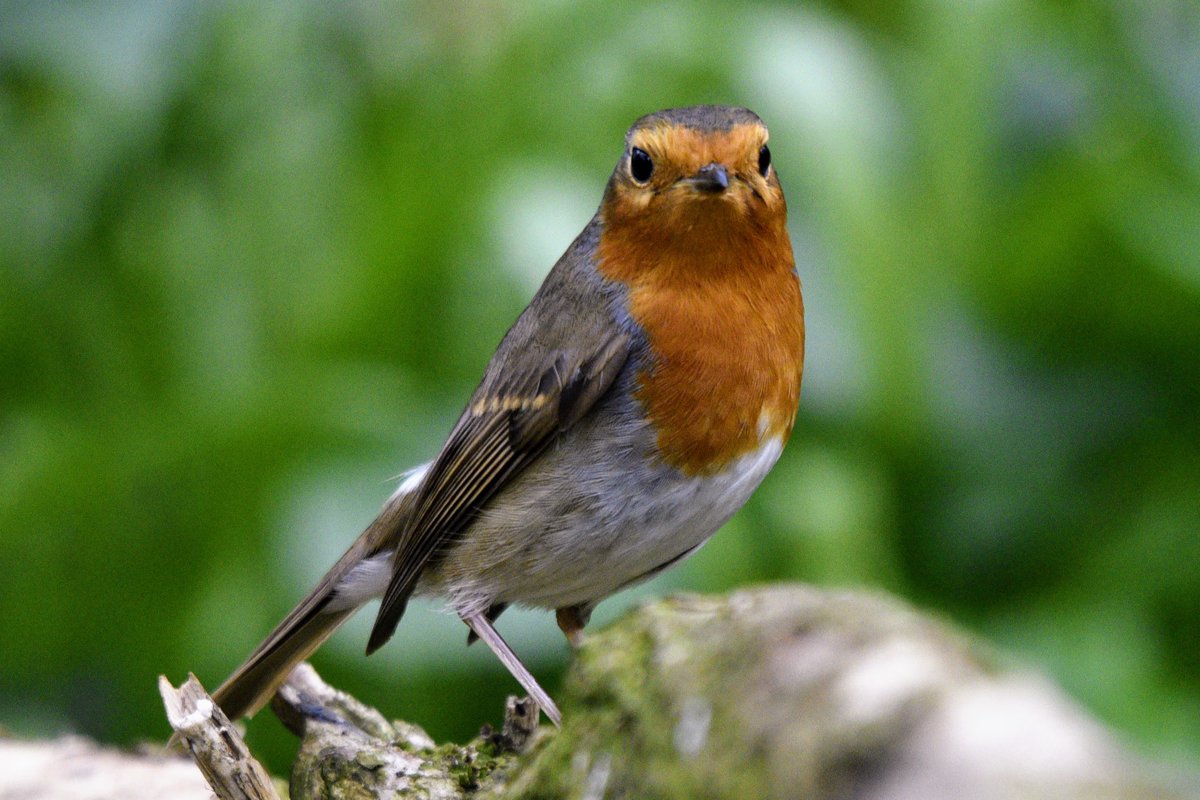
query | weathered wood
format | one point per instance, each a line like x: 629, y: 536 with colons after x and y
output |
x: 349, y: 749
x: 215, y: 745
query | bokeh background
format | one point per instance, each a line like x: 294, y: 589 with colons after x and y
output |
x: 253, y: 258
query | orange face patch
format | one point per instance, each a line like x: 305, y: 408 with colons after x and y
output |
x: 687, y: 150
x: 679, y: 152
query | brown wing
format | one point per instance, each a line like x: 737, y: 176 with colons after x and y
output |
x: 506, y: 427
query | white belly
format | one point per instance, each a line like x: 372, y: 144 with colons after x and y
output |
x: 568, y: 538
x: 543, y: 553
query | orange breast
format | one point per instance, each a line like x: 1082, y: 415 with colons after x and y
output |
x: 723, y: 314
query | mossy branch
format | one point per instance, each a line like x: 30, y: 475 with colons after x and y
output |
x: 778, y: 692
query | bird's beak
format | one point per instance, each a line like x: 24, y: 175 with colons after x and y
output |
x: 711, y: 179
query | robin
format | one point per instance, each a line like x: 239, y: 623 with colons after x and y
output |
x: 628, y: 413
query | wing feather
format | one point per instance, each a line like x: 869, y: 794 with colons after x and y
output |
x: 502, y: 431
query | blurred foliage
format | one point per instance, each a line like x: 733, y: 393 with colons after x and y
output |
x: 254, y: 256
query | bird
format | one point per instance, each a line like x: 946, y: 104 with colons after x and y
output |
x: 632, y: 408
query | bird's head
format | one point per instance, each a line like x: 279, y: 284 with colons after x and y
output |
x: 695, y: 166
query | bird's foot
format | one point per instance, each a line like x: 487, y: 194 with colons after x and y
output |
x: 571, y: 620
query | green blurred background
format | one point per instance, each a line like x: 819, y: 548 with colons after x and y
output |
x: 253, y: 258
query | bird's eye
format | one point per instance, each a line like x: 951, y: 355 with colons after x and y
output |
x: 764, y: 160
x: 640, y: 165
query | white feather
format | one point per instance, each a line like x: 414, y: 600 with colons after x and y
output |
x: 369, y: 578
x: 412, y: 479
x: 365, y: 581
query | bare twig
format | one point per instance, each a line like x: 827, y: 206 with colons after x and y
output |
x: 215, y: 745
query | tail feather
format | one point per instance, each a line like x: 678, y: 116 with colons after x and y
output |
x: 360, y: 574
x: 253, y: 684
x: 301, y: 632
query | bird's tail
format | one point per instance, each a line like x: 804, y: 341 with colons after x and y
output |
x: 254, y: 683
x: 359, y: 575
x: 303, y: 630
x: 300, y: 633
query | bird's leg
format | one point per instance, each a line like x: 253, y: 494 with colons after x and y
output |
x: 571, y: 620
x: 493, y: 612
x: 491, y: 637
